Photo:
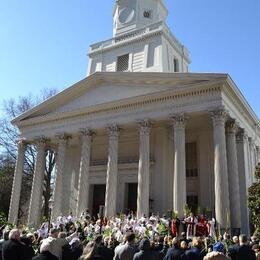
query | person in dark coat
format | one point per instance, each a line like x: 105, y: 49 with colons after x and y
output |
x: 161, y: 247
x: 5, y: 238
x: 45, y: 256
x: 175, y: 253
x: 13, y: 249
x: 244, y: 250
x: 45, y: 253
x: 105, y: 252
x: 145, y: 252
x: 76, y: 249
x: 233, y: 249
x: 195, y: 253
x: 28, y: 249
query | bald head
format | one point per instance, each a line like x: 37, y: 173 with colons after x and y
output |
x: 175, y: 242
x: 235, y: 239
x: 14, y: 234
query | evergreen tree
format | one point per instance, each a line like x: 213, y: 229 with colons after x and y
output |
x: 254, y: 200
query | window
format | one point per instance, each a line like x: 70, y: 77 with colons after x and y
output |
x: 175, y: 65
x: 147, y: 14
x: 191, y: 160
x: 123, y: 62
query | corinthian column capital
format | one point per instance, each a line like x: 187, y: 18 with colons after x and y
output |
x: 41, y: 141
x: 231, y: 127
x: 241, y: 136
x: 86, y: 133
x: 113, y: 130
x: 63, y: 137
x: 219, y: 116
x: 22, y: 143
x: 144, y: 126
x: 179, y: 120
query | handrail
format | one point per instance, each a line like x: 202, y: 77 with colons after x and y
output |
x: 161, y: 25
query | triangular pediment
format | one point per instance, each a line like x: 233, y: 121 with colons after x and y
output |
x: 107, y: 93
x: 108, y: 88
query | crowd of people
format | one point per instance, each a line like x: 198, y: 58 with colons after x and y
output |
x: 126, y: 238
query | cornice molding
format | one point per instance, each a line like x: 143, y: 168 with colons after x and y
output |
x: 238, y: 99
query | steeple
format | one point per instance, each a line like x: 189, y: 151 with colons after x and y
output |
x: 130, y: 15
x: 141, y: 41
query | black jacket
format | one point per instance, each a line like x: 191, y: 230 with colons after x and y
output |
x: 105, y: 252
x: 232, y: 251
x: 13, y: 250
x: 175, y: 253
x: 45, y: 256
x: 147, y: 255
x: 245, y: 253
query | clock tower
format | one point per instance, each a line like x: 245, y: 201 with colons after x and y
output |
x: 141, y: 41
x: 130, y: 15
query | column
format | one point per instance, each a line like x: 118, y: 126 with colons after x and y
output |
x: 143, y: 169
x: 252, y: 149
x: 257, y: 155
x: 58, y: 186
x: 242, y: 157
x: 112, y: 169
x: 251, y: 165
x: 222, y: 205
x: 179, y: 180
x: 83, y: 186
x: 233, y: 178
x: 17, y: 182
x: 34, y: 217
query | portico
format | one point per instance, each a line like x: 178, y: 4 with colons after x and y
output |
x: 148, y: 149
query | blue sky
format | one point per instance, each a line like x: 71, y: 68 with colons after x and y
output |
x: 44, y: 43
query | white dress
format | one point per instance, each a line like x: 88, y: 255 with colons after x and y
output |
x: 212, y: 232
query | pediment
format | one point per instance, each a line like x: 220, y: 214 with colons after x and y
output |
x: 107, y: 93
x: 108, y: 88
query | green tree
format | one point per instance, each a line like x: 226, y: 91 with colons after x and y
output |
x: 254, y: 200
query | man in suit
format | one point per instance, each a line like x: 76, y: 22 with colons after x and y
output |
x: 13, y: 249
x: 126, y: 251
x: 45, y: 253
x: 233, y: 249
x: 175, y: 253
x: 146, y: 253
x: 244, y: 251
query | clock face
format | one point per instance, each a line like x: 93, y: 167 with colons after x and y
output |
x: 126, y: 15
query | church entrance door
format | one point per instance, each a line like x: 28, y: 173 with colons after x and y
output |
x: 99, y: 193
x: 131, y: 189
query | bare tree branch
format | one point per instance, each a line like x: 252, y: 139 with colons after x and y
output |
x: 8, y: 138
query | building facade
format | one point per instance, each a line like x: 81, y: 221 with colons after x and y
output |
x: 142, y: 133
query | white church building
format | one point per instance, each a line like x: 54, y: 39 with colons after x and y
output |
x: 141, y: 132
